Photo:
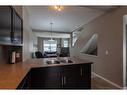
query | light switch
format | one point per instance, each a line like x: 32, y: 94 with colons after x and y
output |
x: 106, y: 52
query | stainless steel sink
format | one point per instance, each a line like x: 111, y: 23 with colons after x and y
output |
x: 66, y: 61
x: 53, y: 62
x: 59, y: 61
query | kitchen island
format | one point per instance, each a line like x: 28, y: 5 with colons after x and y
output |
x: 40, y: 74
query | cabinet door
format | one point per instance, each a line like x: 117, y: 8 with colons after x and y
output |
x: 46, y: 78
x: 5, y: 24
x: 36, y: 78
x: 71, y: 76
x: 25, y: 83
x: 77, y: 76
x: 17, y: 28
x: 85, y: 76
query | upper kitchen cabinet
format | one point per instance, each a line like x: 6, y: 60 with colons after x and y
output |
x: 17, y: 28
x: 10, y: 26
x: 5, y: 24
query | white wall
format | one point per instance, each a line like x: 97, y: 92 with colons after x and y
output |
x: 109, y: 28
x: 125, y: 49
x: 27, y: 36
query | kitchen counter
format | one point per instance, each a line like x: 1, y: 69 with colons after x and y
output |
x: 12, y: 74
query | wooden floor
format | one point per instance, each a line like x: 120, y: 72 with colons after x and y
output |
x: 98, y: 83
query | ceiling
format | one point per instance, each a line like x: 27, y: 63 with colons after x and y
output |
x: 67, y: 20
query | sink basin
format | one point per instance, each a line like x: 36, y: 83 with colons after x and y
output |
x: 59, y: 61
x: 53, y: 62
x: 66, y: 61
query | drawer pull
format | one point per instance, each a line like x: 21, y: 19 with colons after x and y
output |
x: 81, y: 71
x: 64, y: 80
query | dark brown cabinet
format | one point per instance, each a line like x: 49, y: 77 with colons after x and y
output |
x: 61, y: 77
x: 11, y: 34
x: 26, y: 82
x: 10, y: 26
x: 17, y: 28
x: 46, y: 78
x: 71, y: 76
x: 5, y: 24
x: 85, y: 77
x: 77, y: 76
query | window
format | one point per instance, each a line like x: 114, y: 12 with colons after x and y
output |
x: 50, y: 46
x: 75, y: 36
x: 65, y: 43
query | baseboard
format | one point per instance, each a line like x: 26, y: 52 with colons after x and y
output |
x: 99, y: 82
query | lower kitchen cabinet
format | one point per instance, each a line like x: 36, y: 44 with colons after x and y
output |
x: 85, y: 77
x: 26, y: 82
x: 46, y: 78
x: 71, y: 76
x: 76, y: 76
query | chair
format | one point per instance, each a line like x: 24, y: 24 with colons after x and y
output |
x: 38, y: 54
x: 64, y: 52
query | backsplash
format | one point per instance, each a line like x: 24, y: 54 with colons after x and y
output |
x: 5, y: 53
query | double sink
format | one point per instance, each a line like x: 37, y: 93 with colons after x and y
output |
x: 59, y: 61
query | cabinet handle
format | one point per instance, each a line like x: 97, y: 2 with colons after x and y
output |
x: 64, y: 81
x: 81, y: 71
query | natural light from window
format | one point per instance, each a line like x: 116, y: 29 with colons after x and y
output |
x: 65, y: 43
x: 50, y: 46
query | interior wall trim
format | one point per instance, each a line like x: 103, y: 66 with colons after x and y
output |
x: 124, y: 50
x: 106, y: 80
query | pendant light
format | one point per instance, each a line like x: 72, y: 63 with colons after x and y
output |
x: 51, y: 40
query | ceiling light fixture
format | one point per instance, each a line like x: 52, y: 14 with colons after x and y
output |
x: 58, y: 7
x: 51, y: 33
